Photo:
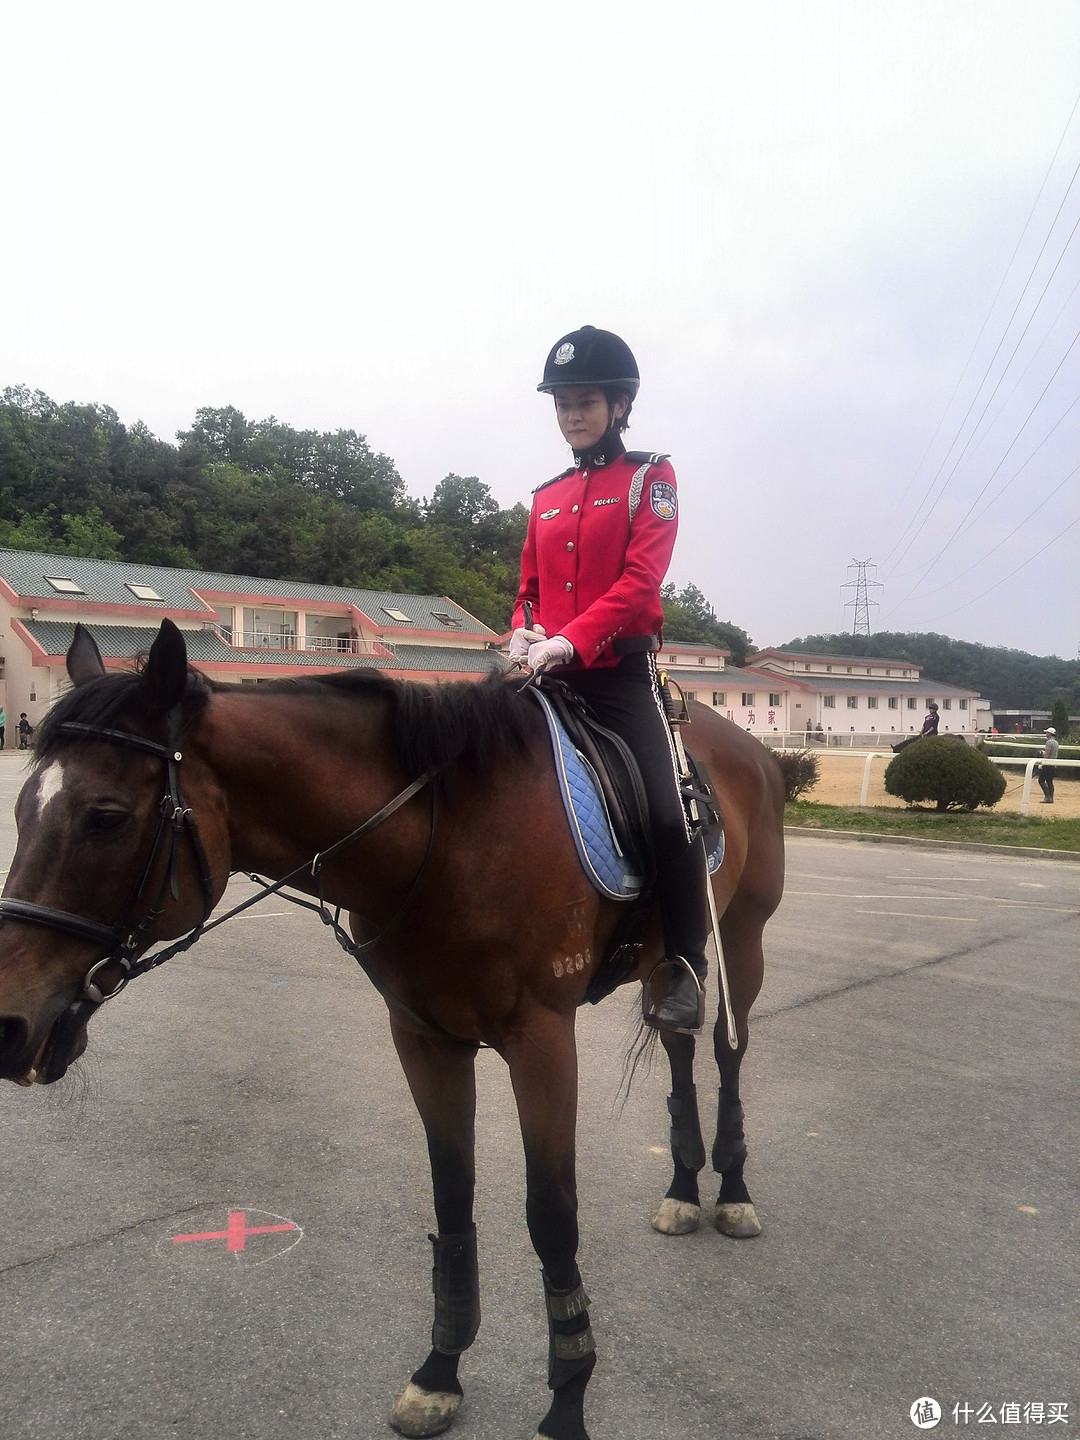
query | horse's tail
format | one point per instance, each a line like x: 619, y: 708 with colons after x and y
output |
x: 640, y: 1050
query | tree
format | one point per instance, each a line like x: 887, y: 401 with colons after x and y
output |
x: 689, y: 617
x: 1059, y: 717
x: 942, y: 768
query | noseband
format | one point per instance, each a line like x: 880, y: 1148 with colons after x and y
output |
x: 175, y: 823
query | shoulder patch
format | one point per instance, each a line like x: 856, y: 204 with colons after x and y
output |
x: 546, y: 483
x: 663, y: 500
x: 644, y: 457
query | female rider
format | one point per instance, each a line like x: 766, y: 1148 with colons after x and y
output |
x: 597, y: 549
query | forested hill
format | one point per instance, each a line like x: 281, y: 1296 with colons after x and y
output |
x: 249, y: 497
x: 1009, y: 679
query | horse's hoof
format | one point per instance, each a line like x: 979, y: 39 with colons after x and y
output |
x: 423, y: 1412
x: 676, y: 1217
x: 738, y: 1220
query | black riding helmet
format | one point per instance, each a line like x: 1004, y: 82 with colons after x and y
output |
x: 591, y: 357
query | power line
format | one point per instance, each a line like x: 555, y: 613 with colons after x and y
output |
x: 1010, y: 575
x: 986, y: 321
x: 995, y: 470
x: 862, y: 603
x: 1000, y: 381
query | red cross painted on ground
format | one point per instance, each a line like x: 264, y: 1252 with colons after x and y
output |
x: 236, y: 1233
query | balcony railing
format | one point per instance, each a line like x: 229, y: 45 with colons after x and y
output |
x: 273, y: 640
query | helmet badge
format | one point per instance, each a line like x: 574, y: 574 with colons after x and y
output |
x: 564, y: 354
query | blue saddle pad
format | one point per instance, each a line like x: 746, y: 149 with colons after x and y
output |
x: 598, y: 850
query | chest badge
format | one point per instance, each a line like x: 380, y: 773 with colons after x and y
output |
x: 663, y: 499
x: 550, y: 514
x: 611, y: 500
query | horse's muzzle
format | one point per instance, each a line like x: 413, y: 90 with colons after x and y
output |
x: 64, y: 1043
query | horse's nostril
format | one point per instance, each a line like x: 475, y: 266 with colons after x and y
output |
x: 14, y: 1033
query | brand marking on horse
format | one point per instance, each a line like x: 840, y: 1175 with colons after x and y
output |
x: 50, y: 783
x: 571, y: 964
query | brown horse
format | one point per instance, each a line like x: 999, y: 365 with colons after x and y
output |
x: 480, y: 927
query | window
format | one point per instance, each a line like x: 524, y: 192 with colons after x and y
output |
x: 143, y: 592
x: 719, y: 697
x: 906, y: 674
x: 671, y: 659
x: 829, y: 701
x: 849, y: 669
x: 871, y: 702
x: 963, y: 704
x: 869, y: 671
x: 806, y: 667
x: 450, y: 621
x: 701, y: 659
x: 888, y: 672
x: 853, y: 702
x: 65, y: 586
x: 398, y: 615
x: 828, y: 669
x: 894, y: 703
x: 774, y: 699
x: 929, y: 701
x: 690, y: 695
x: 912, y: 702
x: 946, y: 704
x: 747, y: 697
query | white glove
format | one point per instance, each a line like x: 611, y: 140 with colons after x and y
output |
x: 522, y: 639
x: 556, y: 651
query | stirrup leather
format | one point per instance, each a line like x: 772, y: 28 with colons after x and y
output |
x: 648, y: 1013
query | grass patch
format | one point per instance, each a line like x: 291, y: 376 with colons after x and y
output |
x: 983, y: 829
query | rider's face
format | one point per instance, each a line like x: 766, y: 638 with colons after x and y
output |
x: 583, y: 413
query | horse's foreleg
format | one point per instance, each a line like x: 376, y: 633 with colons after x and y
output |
x: 680, y: 1210
x: 543, y: 1069
x: 735, y: 1214
x: 442, y: 1080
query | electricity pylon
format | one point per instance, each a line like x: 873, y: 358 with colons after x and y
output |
x: 862, y: 604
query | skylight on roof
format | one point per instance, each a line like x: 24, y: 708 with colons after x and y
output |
x: 445, y: 618
x: 143, y: 592
x: 65, y: 586
x: 398, y: 615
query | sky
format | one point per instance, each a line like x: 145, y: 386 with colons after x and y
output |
x: 837, y: 235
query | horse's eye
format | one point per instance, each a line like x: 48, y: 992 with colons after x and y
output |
x: 100, y: 819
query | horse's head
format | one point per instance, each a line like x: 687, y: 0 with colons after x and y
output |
x: 108, y: 860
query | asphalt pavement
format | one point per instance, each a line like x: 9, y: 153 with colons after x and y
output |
x: 911, y: 1102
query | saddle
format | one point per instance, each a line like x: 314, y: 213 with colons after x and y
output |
x: 608, y: 814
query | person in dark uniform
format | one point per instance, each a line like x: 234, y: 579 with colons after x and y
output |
x: 930, y: 724
x: 597, y: 549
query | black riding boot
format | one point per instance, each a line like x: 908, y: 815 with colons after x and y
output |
x: 685, y: 915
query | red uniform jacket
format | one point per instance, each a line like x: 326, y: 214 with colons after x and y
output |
x: 596, y: 552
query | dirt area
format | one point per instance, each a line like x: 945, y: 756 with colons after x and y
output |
x: 841, y: 782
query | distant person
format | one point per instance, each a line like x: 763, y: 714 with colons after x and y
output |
x: 1047, y: 772
x: 26, y: 730
x: 930, y: 724
x: 809, y: 729
x: 3, y: 725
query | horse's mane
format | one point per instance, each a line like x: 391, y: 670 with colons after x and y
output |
x: 105, y: 702
x: 432, y: 726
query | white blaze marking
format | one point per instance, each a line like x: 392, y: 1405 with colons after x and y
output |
x: 50, y: 785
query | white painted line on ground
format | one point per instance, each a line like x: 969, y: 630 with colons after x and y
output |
x: 985, y: 899
x: 917, y: 915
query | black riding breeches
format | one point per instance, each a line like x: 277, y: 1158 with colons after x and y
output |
x: 626, y: 698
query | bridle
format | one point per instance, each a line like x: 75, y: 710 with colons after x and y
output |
x: 177, y: 823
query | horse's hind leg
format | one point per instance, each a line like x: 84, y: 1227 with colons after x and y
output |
x: 543, y: 1069
x: 735, y: 1214
x: 680, y: 1210
x: 442, y: 1080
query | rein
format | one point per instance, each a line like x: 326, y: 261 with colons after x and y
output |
x: 178, y: 821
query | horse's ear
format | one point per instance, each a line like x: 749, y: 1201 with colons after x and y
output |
x: 84, y: 658
x: 163, y: 681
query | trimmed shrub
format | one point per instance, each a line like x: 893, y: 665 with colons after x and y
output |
x: 800, y: 770
x: 953, y: 775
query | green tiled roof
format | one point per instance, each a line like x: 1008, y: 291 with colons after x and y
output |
x: 105, y: 582
x: 127, y: 641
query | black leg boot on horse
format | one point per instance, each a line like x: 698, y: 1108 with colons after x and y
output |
x: 684, y: 911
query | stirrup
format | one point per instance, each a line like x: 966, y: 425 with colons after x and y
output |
x: 650, y: 1015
